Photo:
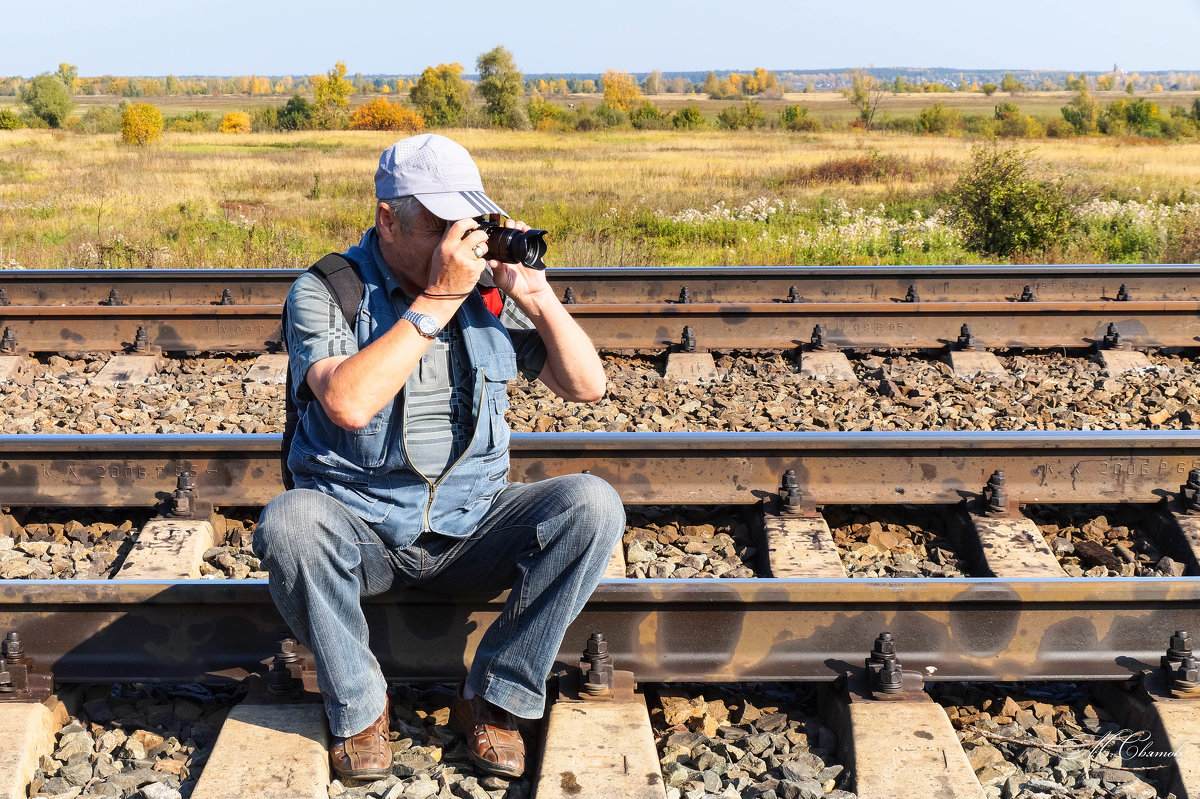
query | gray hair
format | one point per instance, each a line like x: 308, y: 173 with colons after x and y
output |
x: 405, y: 210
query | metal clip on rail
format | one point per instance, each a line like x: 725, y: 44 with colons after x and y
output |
x: 596, y: 680
x: 19, y: 682
x: 886, y: 678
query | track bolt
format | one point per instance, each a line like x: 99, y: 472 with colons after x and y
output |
x: 793, y: 294
x: 4, y: 297
x: 12, y: 651
x: 1189, y: 492
x: 688, y: 342
x: 1186, y: 678
x: 994, y: 498
x: 1123, y: 294
x: 1027, y: 295
x: 141, y: 342
x: 912, y: 295
x: 114, y: 298
x: 819, y: 344
x: 1112, y: 339
x: 226, y: 297
x: 280, y: 680
x: 569, y: 296
x: 884, y: 650
x: 790, y: 495
x: 8, y: 344
x: 1180, y: 648
x: 966, y: 341
x: 685, y: 295
x: 183, y: 500
x: 598, y: 674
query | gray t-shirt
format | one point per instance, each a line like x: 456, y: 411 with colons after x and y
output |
x: 439, y: 393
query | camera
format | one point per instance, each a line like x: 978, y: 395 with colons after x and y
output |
x: 512, y: 246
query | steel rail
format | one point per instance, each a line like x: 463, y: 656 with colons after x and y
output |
x: 668, y: 630
x: 875, y: 325
x: 1075, y: 282
x: 648, y: 468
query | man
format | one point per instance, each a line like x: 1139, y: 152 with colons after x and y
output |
x: 400, y: 462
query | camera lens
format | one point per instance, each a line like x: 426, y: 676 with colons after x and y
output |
x: 514, y: 246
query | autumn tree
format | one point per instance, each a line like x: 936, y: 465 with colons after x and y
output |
x: 441, y: 95
x: 1010, y: 84
x: 500, y: 87
x: 621, y: 92
x: 989, y: 89
x: 653, y: 84
x: 235, y: 122
x: 46, y: 99
x: 865, y: 93
x: 1082, y: 112
x: 141, y: 124
x: 381, y: 114
x: 331, y: 97
x: 68, y: 74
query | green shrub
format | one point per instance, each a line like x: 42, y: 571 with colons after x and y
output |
x: 99, y: 119
x: 796, y: 118
x: 264, y: 119
x: 9, y: 120
x: 296, y: 115
x: 980, y: 125
x: 748, y: 116
x: 688, y: 118
x: 1003, y: 209
x: 610, y: 117
x: 47, y: 99
x: 648, y: 116
x: 193, y: 122
x: 1059, y: 129
x: 939, y: 119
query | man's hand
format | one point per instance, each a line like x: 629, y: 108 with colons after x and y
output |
x: 455, y: 268
x: 516, y: 280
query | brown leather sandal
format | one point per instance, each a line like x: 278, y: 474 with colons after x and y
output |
x: 493, y: 741
x: 364, y: 755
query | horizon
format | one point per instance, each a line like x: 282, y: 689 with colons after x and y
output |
x: 146, y: 38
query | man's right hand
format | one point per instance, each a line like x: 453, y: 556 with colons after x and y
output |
x: 455, y: 268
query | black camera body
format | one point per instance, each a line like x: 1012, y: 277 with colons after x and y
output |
x: 512, y: 246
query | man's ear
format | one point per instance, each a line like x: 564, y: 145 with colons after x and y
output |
x: 385, y: 223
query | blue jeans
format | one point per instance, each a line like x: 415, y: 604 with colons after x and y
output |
x: 548, y: 541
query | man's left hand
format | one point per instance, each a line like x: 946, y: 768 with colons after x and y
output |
x: 516, y: 280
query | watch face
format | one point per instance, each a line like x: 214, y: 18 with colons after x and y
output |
x: 427, y: 325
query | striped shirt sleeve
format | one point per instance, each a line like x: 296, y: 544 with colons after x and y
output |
x: 316, y: 328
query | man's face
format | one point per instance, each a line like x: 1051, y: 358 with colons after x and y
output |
x: 411, y: 253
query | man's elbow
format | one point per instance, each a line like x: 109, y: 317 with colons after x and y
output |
x: 593, y: 392
x: 347, y: 416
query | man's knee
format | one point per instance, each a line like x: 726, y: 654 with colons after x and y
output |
x: 290, y: 524
x: 594, y: 504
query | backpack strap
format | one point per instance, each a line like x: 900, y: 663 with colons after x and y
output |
x: 340, y: 275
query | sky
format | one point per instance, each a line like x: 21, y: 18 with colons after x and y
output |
x: 303, y: 37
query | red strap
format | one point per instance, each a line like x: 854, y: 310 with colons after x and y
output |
x: 493, y: 299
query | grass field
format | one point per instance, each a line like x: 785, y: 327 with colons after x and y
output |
x: 608, y: 198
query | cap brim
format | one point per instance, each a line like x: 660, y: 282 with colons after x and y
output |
x: 455, y: 205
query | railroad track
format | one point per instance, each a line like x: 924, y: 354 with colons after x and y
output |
x: 804, y: 621
x: 797, y: 624
x: 868, y: 308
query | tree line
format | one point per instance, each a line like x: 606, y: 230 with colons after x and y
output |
x: 441, y: 96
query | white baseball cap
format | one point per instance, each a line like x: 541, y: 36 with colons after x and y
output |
x: 437, y: 171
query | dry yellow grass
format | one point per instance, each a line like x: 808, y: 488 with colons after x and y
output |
x: 284, y: 199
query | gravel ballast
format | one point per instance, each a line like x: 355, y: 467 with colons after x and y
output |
x: 687, y: 543
x: 50, y: 543
x: 757, y: 392
x: 901, y: 541
x: 1108, y: 540
x: 134, y: 740
x: 1033, y: 740
x: 750, y: 740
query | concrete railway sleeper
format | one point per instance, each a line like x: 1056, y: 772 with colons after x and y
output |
x: 841, y: 739
x: 648, y: 284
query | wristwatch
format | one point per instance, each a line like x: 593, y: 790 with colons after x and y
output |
x: 425, y: 324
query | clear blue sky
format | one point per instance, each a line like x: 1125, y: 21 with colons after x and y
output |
x: 234, y: 37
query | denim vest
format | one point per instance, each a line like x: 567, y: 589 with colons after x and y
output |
x: 368, y: 470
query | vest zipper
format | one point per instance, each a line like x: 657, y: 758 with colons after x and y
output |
x: 433, y: 486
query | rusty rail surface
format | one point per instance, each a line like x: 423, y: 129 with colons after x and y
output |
x: 648, y: 468
x: 668, y: 630
x: 1073, y: 282
x: 873, y: 325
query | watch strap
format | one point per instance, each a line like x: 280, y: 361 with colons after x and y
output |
x: 422, y: 322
